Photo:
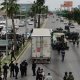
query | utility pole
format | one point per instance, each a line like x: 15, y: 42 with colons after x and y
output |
x: 6, y: 30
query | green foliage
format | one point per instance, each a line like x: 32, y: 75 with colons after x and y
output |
x: 10, y: 6
x: 73, y: 15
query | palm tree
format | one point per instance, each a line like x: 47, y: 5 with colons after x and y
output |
x: 11, y: 10
x: 40, y: 4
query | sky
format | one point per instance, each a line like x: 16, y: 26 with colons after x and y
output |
x: 52, y: 4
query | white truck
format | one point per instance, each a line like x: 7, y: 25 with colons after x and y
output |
x: 41, y: 45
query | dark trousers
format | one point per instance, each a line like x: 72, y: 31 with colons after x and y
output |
x: 34, y: 71
x: 12, y: 73
x: 22, y: 73
x: 16, y: 74
x: 5, y: 75
x: 25, y: 72
x: 37, y: 77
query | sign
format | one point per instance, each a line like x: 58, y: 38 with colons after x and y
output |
x: 38, y: 49
x: 62, y: 5
x: 68, y: 3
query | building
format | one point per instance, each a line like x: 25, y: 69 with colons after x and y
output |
x: 25, y: 7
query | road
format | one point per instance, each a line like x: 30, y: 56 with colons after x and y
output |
x: 56, y: 67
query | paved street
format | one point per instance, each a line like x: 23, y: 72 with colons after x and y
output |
x: 56, y: 67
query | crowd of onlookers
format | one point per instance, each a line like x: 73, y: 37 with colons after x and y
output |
x: 15, y: 69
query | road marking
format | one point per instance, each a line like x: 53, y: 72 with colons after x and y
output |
x: 26, y: 48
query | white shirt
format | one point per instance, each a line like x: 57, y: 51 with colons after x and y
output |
x: 48, y: 78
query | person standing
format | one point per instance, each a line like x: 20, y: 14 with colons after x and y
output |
x: 77, y: 43
x: 38, y: 73
x: 16, y: 70
x: 63, y: 54
x: 70, y: 76
x: 12, y: 55
x: 5, y: 70
x: 11, y: 65
x: 21, y: 69
x: 34, y: 68
x: 42, y: 75
x: 25, y: 67
x: 48, y: 77
x: 65, y: 76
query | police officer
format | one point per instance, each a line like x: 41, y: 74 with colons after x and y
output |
x: 11, y: 65
x: 25, y: 67
x: 5, y: 70
x: 34, y: 68
x: 70, y: 76
x: 21, y: 69
x: 63, y: 54
x: 65, y: 76
x: 16, y: 70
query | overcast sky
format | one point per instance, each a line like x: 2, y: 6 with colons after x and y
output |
x: 52, y: 3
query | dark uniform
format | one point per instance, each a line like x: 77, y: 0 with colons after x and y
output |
x: 34, y: 68
x: 5, y: 71
x: 22, y: 69
x: 26, y: 64
x: 16, y: 70
x: 11, y: 65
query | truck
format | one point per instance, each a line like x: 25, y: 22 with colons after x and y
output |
x: 59, y: 41
x: 41, y: 45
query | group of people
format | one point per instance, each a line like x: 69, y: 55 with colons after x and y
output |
x: 14, y: 69
x: 68, y: 76
x: 39, y: 73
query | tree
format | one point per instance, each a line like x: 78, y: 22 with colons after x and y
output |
x: 11, y: 8
x: 40, y: 4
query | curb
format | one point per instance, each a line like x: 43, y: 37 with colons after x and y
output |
x: 21, y: 53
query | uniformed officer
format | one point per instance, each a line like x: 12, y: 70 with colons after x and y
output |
x: 11, y: 65
x: 16, y: 70
x: 34, y: 68
x: 25, y: 67
x: 5, y: 70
